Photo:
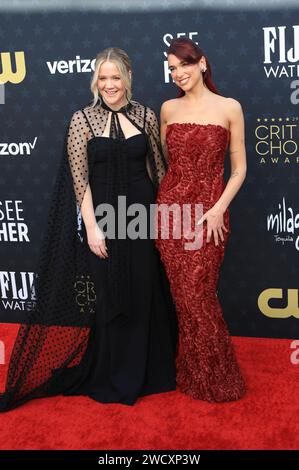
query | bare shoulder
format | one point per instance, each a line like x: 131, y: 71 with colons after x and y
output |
x: 233, y: 106
x: 168, y: 107
x: 169, y: 104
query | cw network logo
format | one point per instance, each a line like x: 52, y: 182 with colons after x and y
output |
x: 8, y: 75
x: 286, y: 308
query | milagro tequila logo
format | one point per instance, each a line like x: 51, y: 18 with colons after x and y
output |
x: 285, y: 224
x: 277, y: 140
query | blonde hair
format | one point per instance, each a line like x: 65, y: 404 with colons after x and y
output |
x: 122, y: 62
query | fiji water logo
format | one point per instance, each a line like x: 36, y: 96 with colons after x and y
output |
x: 277, y: 40
x: 284, y: 223
x: 281, y: 56
x: 17, y: 291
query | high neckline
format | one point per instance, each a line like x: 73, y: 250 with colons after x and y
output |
x: 123, y: 109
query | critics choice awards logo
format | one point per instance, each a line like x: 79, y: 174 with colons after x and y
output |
x: 277, y: 140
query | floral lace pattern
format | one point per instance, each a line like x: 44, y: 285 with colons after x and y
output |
x: 206, y: 364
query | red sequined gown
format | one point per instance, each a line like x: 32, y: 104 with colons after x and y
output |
x: 206, y: 365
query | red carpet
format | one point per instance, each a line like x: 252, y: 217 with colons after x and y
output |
x: 267, y: 418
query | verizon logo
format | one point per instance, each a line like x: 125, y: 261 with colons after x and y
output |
x: 77, y: 65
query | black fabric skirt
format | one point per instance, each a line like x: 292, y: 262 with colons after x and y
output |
x: 132, y: 356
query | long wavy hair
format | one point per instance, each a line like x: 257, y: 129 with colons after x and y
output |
x: 186, y: 50
x: 122, y: 61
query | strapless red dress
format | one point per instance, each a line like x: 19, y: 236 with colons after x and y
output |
x: 207, y: 368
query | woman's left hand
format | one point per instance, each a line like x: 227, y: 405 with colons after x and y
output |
x: 215, y: 224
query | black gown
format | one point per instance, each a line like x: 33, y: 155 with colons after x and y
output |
x: 121, y: 343
x: 130, y: 356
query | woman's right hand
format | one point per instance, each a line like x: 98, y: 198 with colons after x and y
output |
x: 96, y: 241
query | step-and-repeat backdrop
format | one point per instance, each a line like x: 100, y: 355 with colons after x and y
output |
x: 46, y: 60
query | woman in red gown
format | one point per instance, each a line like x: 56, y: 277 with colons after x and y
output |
x: 196, y: 129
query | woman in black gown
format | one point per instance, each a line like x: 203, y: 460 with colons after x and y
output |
x: 120, y: 343
x: 132, y: 350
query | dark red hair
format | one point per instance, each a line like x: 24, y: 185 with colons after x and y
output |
x: 186, y: 50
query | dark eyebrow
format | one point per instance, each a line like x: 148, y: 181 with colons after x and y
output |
x: 181, y: 62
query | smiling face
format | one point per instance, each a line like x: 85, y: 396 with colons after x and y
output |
x: 111, y: 85
x: 186, y: 75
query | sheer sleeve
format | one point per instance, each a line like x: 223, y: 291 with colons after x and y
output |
x: 77, y: 139
x: 157, y: 161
